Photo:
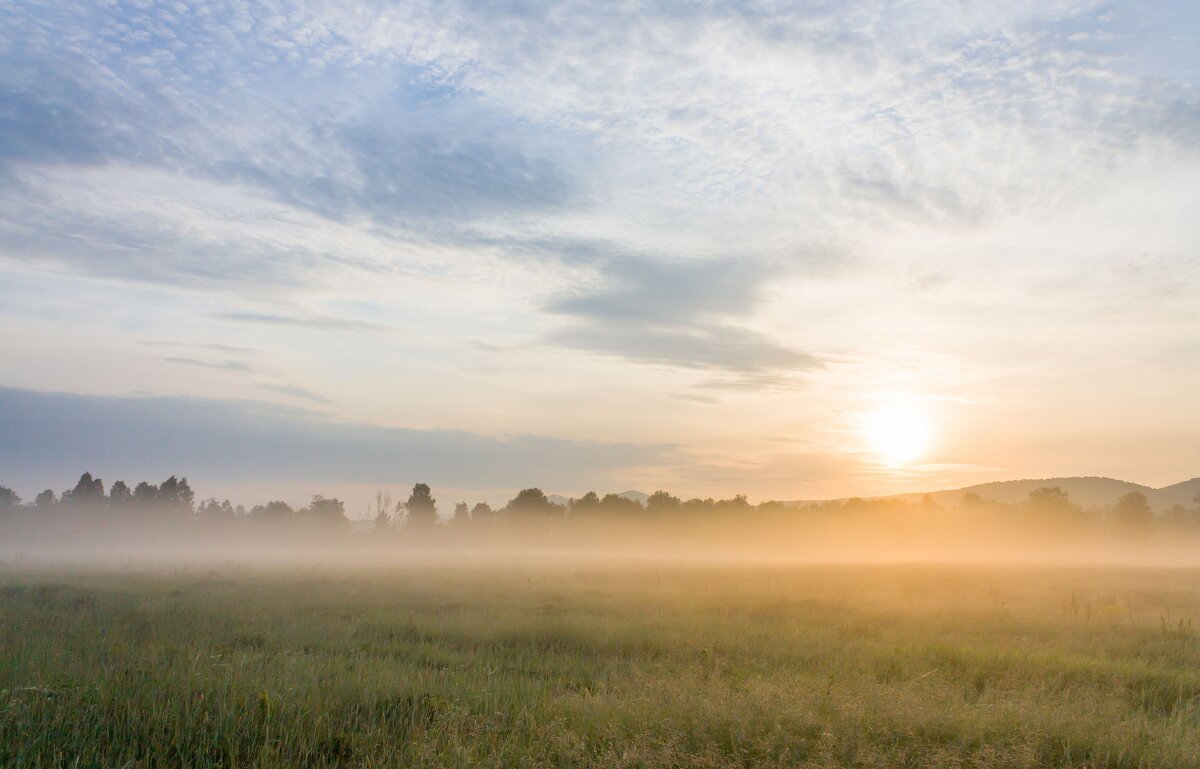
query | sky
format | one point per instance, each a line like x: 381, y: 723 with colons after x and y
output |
x: 791, y: 250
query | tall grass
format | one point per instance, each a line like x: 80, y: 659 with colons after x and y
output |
x: 600, y: 666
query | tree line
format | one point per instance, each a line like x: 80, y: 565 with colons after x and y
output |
x: 170, y: 506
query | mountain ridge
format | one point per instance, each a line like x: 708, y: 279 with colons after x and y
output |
x: 1086, y: 491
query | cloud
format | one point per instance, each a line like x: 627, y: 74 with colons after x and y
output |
x: 870, y: 111
x: 670, y: 292
x: 295, y: 392
x: 224, y: 365
x: 704, y: 347
x: 316, y: 323
x: 210, y: 346
x: 284, y: 103
x: 45, y: 437
x: 159, y: 230
x: 436, y: 120
x: 678, y: 314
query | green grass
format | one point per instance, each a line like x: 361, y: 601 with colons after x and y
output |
x: 600, y: 666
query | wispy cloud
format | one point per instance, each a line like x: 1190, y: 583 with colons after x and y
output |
x: 670, y: 292
x: 435, y: 122
x: 224, y: 365
x: 206, y: 346
x: 317, y: 323
x: 426, y: 119
x: 295, y: 392
x: 680, y: 314
x: 716, y: 347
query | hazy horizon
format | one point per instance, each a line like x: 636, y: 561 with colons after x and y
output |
x: 362, y: 453
x: 801, y: 252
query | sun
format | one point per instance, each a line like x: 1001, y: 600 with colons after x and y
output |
x: 897, y: 432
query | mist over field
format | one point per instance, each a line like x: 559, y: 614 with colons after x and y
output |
x: 153, y: 523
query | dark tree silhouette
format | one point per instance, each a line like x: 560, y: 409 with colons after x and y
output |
x: 120, y: 496
x: 661, y: 502
x: 421, y: 507
x: 8, y: 498
x: 88, y: 492
x: 588, y: 503
x: 532, y: 503
x: 174, y: 495
x: 617, y: 505
x: 462, y: 514
x: 45, y: 500
x: 145, y: 496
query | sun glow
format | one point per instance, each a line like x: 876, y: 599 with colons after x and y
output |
x: 897, y: 432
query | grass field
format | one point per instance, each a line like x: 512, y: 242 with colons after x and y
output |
x: 600, y: 665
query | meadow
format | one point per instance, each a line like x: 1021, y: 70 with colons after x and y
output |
x: 599, y: 663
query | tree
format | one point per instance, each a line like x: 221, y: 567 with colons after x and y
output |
x: 421, y: 507
x: 1050, y: 504
x: 88, y: 492
x: 273, y: 512
x: 696, y: 505
x: 1133, y: 511
x: 383, y: 503
x: 662, y: 502
x: 120, y: 496
x: 8, y: 498
x: 462, y: 514
x: 1181, y: 516
x: 212, y: 510
x: 327, y: 511
x: 482, y: 513
x: 1049, y: 498
x: 532, y: 503
x: 45, y: 500
x: 174, y: 495
x: 615, y: 504
x: 145, y: 496
x: 971, y: 501
x: 739, y: 504
x: 588, y: 503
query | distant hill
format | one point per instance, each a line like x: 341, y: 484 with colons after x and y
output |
x: 1186, y: 494
x: 1086, y: 492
